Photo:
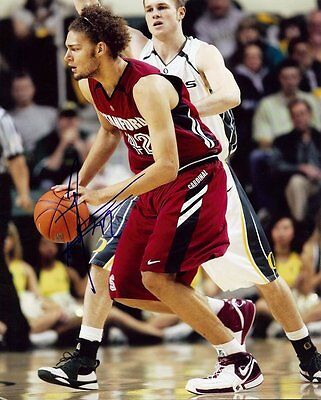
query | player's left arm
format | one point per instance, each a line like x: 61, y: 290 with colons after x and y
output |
x: 155, y: 97
x: 225, y: 91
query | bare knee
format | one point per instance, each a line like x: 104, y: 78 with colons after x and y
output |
x: 99, y: 274
x: 155, y: 282
x: 150, y: 281
x: 275, y: 288
x: 99, y: 279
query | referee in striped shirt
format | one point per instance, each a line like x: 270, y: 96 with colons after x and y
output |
x: 12, y: 163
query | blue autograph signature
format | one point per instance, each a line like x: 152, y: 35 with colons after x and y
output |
x: 99, y: 216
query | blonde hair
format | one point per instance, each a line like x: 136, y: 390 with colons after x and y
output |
x: 179, y: 3
x: 17, y: 252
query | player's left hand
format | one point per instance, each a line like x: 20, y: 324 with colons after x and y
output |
x: 90, y: 196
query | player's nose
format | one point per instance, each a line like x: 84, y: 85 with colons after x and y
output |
x: 67, y: 56
x: 155, y: 14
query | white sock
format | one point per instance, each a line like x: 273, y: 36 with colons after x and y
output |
x: 228, y: 348
x: 297, y: 335
x: 216, y: 305
x: 91, y: 334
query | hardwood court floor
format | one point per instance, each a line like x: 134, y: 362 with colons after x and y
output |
x: 154, y: 373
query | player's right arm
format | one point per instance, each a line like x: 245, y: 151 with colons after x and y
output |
x: 137, y: 43
x: 138, y: 40
x: 225, y: 93
x: 104, y: 145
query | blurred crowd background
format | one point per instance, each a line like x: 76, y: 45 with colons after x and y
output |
x: 276, y: 61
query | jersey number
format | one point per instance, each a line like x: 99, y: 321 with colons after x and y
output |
x: 141, y: 143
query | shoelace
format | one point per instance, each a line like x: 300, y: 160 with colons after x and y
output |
x: 223, y: 362
x: 66, y: 356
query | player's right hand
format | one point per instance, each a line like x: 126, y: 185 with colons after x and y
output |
x: 61, y: 188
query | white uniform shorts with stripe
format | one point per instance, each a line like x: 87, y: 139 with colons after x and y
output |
x: 248, y: 260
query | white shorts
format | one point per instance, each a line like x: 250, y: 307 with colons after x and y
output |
x: 248, y: 260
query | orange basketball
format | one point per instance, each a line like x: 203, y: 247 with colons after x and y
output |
x: 59, y: 218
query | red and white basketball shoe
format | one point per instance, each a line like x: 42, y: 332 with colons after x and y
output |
x: 233, y: 373
x: 238, y: 315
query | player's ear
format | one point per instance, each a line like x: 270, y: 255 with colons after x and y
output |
x: 101, y: 48
x: 181, y: 13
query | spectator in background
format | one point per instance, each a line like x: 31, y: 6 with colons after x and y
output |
x: 311, y: 254
x: 12, y: 161
x: 62, y: 152
x: 298, y: 270
x: 28, y: 48
x: 297, y: 159
x: 56, y: 281
x: 314, y: 33
x: 218, y: 25
x: 272, y: 119
x: 249, y: 75
x: 22, y: 23
x: 33, y: 121
x: 249, y: 31
x: 300, y: 50
x: 45, y: 21
x: 289, y: 265
x: 19, y: 48
x: 291, y: 28
x: 42, y: 314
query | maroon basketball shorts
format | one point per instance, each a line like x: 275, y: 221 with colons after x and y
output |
x: 172, y: 229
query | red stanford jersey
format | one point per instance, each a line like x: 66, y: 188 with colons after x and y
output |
x: 194, y: 140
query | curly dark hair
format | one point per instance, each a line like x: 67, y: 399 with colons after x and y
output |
x: 99, y: 24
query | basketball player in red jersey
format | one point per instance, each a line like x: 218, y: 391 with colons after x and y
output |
x: 179, y: 220
x: 201, y: 66
x: 165, y: 37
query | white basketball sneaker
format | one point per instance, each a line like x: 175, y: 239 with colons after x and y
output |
x: 233, y: 373
x: 72, y: 371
